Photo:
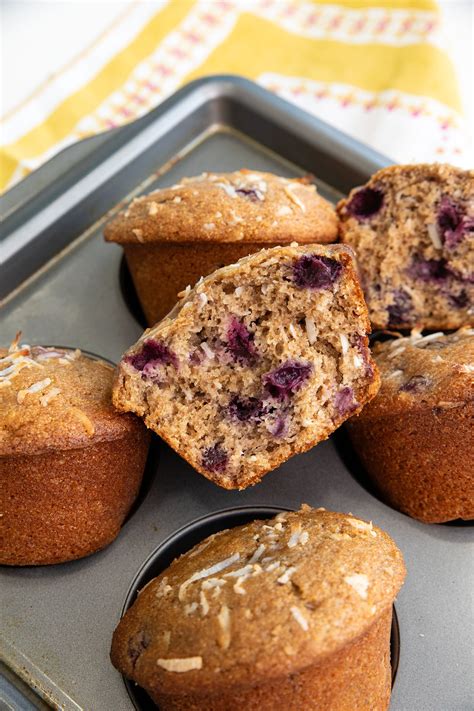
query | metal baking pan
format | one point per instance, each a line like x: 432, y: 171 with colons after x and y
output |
x: 57, y: 622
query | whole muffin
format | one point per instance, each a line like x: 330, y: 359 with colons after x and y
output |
x: 412, y: 227
x: 416, y: 438
x: 174, y: 236
x: 70, y: 465
x: 292, y: 613
x: 262, y: 360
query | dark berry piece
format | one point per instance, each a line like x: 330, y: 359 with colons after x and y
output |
x: 240, y: 342
x: 459, y: 301
x: 214, y: 459
x: 366, y: 202
x: 137, y: 645
x: 246, y: 409
x: 287, y: 379
x: 250, y: 194
x: 416, y: 384
x: 280, y: 428
x: 399, y: 310
x: 449, y: 215
x: 312, y: 272
x: 453, y: 225
x: 153, y: 353
x: 434, y: 270
x: 344, y: 401
x: 464, y: 228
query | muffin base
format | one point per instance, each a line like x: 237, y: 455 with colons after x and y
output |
x: 62, y: 505
x: 355, y: 678
x: 422, y: 463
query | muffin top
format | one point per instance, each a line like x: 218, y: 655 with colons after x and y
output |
x: 435, y: 371
x: 227, y: 207
x: 259, y: 601
x: 55, y: 398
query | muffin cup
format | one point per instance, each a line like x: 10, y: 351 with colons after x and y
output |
x: 364, y: 669
x: 48, y: 497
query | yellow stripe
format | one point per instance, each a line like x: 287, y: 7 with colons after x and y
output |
x: 62, y: 120
x: 419, y: 69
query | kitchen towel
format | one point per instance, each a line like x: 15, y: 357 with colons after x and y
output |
x: 376, y: 69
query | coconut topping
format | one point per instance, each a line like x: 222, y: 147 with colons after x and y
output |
x: 289, y: 190
x: 359, y: 582
x: 34, y: 388
x: 311, y: 330
x: 50, y: 395
x: 223, y: 619
x: 207, y: 572
x: 180, y: 665
x: 299, y: 617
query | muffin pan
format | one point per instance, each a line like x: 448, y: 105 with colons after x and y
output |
x: 57, y: 622
x: 181, y: 542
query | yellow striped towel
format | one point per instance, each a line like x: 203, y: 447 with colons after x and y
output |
x: 374, y: 68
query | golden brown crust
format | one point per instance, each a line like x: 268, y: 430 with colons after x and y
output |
x: 167, y: 416
x: 294, y: 594
x: 228, y: 207
x: 56, y: 399
x: 416, y: 438
x: 356, y: 678
x: 62, y: 505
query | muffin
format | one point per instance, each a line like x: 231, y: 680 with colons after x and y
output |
x: 416, y: 438
x: 412, y: 228
x: 261, y: 360
x: 70, y: 465
x: 290, y: 613
x: 176, y: 235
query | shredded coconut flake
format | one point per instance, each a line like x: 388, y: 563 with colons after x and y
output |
x: 310, y: 330
x: 258, y: 554
x: 203, y: 602
x: 344, y: 343
x: 284, y: 210
x: 209, y: 226
x: 163, y: 588
x: 190, y: 608
x: 394, y: 374
x: 86, y: 422
x: 215, y: 583
x: 153, y: 209
x: 359, y: 582
x: 300, y: 618
x: 466, y: 368
x: 223, y: 619
x: 286, y: 577
x: 34, y: 388
x: 295, y: 537
x: 238, y: 586
x: 229, y: 189
x: 362, y: 526
x: 289, y: 190
x: 434, y: 236
x: 207, y: 350
x: 207, y: 572
x: 292, y: 330
x: 184, y: 664
x: 50, y: 395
